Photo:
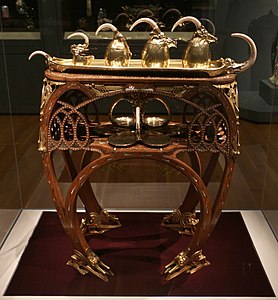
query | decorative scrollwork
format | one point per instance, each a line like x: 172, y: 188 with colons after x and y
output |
x: 204, y: 125
x: 96, y: 223
x: 90, y: 263
x: 68, y: 128
x: 48, y: 87
x: 231, y: 92
x: 183, y: 263
x: 209, y: 131
x: 184, y: 223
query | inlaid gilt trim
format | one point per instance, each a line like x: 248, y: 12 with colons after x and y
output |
x: 96, y: 223
x: 184, y: 223
x: 90, y: 263
x: 182, y: 263
x: 48, y: 87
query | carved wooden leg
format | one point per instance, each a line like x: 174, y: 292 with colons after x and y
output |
x: 184, y: 219
x: 97, y: 220
x: 192, y: 259
x: 84, y: 260
x: 86, y: 193
x: 191, y: 199
x: 222, y: 191
x: 189, y: 261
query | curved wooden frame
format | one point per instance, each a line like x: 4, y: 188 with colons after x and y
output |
x: 223, y: 89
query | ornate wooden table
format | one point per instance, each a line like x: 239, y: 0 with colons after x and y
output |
x: 207, y: 122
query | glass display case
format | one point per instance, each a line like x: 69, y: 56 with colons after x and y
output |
x: 91, y: 14
x: 19, y: 16
x: 137, y: 185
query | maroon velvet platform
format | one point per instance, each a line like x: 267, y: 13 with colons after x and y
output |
x: 137, y: 253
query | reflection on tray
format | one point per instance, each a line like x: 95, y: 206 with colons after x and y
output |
x: 155, y: 58
x: 217, y: 67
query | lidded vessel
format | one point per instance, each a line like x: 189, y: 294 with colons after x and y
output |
x: 117, y: 53
x: 197, y: 54
x: 155, y: 53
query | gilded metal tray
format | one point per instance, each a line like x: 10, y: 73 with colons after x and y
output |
x: 217, y: 67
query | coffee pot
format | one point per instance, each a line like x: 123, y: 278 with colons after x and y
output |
x: 117, y: 53
x: 155, y: 53
x: 197, y: 54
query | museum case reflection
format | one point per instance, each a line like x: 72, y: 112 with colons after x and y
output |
x: 88, y: 15
x: 19, y: 15
x: 11, y: 205
x: 256, y: 167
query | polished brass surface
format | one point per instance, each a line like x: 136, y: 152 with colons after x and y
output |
x: 155, y: 53
x: 216, y: 68
x: 242, y: 67
x: 79, y: 51
x: 117, y: 53
x: 155, y: 58
x: 184, y: 223
x: 182, y: 263
x: 96, y: 223
x: 89, y: 264
x: 196, y: 60
x: 197, y: 54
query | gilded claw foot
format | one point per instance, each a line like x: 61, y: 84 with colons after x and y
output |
x: 89, y: 264
x: 99, y: 223
x: 182, y: 263
x: 184, y: 223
